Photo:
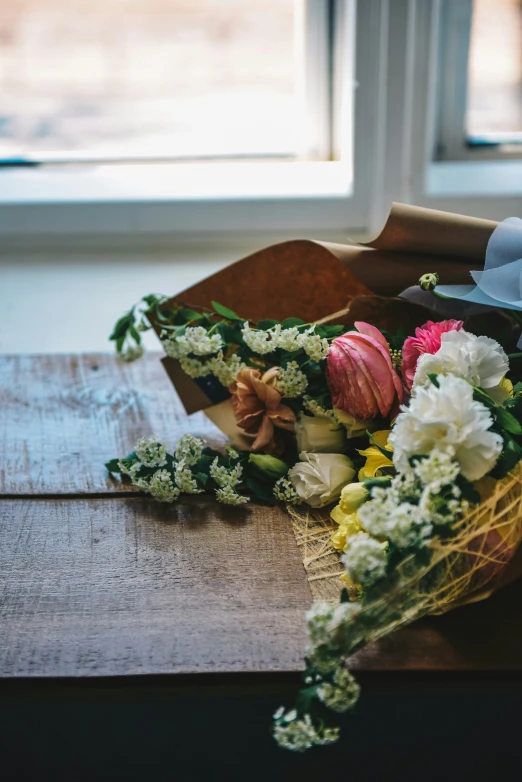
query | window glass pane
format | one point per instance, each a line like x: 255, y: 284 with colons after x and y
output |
x: 151, y: 78
x: 495, y: 71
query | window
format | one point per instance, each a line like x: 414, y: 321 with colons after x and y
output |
x: 480, y: 99
x: 165, y: 79
x: 207, y: 119
x: 167, y: 116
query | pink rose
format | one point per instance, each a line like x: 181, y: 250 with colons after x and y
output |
x: 426, y: 340
x: 360, y: 373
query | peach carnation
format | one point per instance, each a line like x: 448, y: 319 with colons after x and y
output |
x: 258, y: 408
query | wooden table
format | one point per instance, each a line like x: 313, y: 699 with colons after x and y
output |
x: 136, y: 637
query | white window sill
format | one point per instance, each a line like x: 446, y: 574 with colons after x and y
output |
x: 482, y: 178
x: 173, y: 182
x: 163, y: 199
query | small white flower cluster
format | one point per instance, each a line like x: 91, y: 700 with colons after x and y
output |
x: 132, y: 471
x: 162, y: 488
x: 284, y: 491
x: 194, y: 368
x: 299, y: 733
x: 290, y: 381
x: 151, y: 452
x: 315, y: 408
x: 402, y: 522
x: 406, y: 512
x: 342, y: 693
x: 325, y: 622
x: 225, y: 370
x: 227, y: 479
x: 195, y: 339
x: 189, y: 449
x: 437, y: 470
x: 291, y: 340
x: 259, y: 341
x: 228, y: 496
x: 184, y: 479
x: 225, y: 476
x: 365, y: 559
x: 315, y: 347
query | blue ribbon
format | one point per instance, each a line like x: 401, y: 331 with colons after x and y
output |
x: 500, y: 283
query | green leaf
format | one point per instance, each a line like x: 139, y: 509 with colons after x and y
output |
x: 122, y: 325
x: 190, y: 315
x: 289, y: 323
x: 469, y: 492
x: 329, y: 332
x: 479, y: 395
x: 345, y: 598
x: 262, y: 491
x: 433, y: 377
x: 382, y: 482
x: 509, y: 458
x: 267, y: 323
x: 152, y: 299
x: 231, y: 335
x: 135, y: 335
x: 225, y: 312
x: 113, y: 466
x: 507, y: 421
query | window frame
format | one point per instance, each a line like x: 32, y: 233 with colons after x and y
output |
x: 452, y: 90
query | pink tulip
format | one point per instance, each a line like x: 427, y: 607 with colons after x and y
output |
x: 360, y: 373
x: 426, y: 340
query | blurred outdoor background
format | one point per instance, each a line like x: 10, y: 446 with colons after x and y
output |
x: 195, y: 78
x: 170, y: 84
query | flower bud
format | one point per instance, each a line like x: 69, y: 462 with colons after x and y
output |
x: 429, y: 282
x: 353, y: 496
x: 268, y: 467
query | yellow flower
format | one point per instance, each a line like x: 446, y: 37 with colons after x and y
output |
x: 353, y: 496
x: 375, y: 460
x: 349, y: 525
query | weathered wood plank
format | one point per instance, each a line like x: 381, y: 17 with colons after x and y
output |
x: 103, y: 587
x: 62, y: 417
x: 121, y: 586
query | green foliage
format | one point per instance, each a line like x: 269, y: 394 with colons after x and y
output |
x: 225, y: 312
x: 113, y: 466
x: 126, y: 331
x: 509, y: 458
x: 507, y: 421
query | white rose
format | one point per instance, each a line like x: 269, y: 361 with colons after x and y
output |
x: 449, y: 420
x: 479, y: 360
x: 319, y: 477
x: 319, y: 434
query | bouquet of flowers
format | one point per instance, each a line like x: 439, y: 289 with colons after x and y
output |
x: 398, y: 433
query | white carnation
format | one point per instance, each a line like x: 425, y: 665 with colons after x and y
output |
x: 479, y: 360
x: 319, y: 477
x: 450, y: 420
